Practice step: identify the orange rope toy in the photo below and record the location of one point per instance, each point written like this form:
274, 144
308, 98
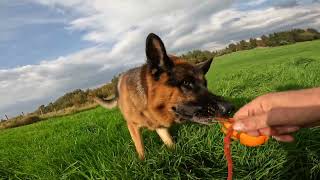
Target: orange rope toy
244, 139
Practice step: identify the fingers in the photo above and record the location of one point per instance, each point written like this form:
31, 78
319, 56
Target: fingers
254, 133
274, 117
274, 131
263, 131
278, 122
280, 130
284, 130
242, 112
276, 135
257, 106
251, 123
284, 138
268, 131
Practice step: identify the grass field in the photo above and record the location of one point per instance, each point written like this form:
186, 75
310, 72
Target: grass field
96, 143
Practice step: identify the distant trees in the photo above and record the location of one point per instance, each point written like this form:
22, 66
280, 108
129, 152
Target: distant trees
290, 37
74, 98
232, 47
271, 40
306, 35
78, 97
196, 56
252, 43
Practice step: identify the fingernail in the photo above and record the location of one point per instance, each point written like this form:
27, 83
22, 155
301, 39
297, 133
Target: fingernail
238, 126
282, 139
276, 138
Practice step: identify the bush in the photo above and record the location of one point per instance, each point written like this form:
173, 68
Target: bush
19, 122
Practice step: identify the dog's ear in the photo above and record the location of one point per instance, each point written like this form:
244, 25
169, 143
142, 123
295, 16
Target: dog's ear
157, 57
205, 66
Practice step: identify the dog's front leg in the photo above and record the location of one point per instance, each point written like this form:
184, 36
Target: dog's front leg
136, 137
165, 136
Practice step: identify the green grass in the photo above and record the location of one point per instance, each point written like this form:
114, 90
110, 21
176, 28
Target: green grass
96, 143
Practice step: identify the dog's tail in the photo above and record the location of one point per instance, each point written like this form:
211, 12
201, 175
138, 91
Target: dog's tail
110, 102
106, 103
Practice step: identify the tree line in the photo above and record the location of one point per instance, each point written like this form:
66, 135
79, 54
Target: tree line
271, 40
78, 98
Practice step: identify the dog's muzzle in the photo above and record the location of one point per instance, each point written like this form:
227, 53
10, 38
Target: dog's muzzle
202, 114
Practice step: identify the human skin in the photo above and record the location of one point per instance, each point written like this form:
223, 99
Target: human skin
280, 114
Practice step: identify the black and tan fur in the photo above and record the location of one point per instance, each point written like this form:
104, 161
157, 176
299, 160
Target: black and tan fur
164, 91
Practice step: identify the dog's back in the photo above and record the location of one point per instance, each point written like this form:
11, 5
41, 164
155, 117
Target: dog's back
136, 84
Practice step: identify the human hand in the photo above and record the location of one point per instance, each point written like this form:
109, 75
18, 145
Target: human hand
278, 114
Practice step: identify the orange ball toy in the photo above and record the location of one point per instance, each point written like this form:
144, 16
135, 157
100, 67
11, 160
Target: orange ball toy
244, 138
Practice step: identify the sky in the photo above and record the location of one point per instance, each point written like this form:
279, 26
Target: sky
50, 47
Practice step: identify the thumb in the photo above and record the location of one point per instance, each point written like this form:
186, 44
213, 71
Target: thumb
243, 111
251, 123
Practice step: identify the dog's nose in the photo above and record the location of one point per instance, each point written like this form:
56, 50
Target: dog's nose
226, 108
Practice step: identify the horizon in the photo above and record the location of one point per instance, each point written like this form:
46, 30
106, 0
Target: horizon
53, 47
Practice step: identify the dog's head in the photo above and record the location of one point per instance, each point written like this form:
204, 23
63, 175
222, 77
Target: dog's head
180, 88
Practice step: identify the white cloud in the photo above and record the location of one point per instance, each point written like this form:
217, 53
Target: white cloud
50, 79
124, 25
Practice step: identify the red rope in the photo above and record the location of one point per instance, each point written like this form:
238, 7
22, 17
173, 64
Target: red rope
227, 152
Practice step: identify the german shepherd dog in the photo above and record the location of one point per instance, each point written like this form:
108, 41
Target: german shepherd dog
164, 91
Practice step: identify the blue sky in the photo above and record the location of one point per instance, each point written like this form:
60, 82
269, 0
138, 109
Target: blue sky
31, 32
50, 47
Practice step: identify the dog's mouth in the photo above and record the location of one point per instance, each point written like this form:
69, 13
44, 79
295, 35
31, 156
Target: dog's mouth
196, 114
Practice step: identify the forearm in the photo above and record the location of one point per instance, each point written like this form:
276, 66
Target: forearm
295, 116
297, 98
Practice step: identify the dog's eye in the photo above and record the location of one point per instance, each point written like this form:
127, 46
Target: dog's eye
187, 84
